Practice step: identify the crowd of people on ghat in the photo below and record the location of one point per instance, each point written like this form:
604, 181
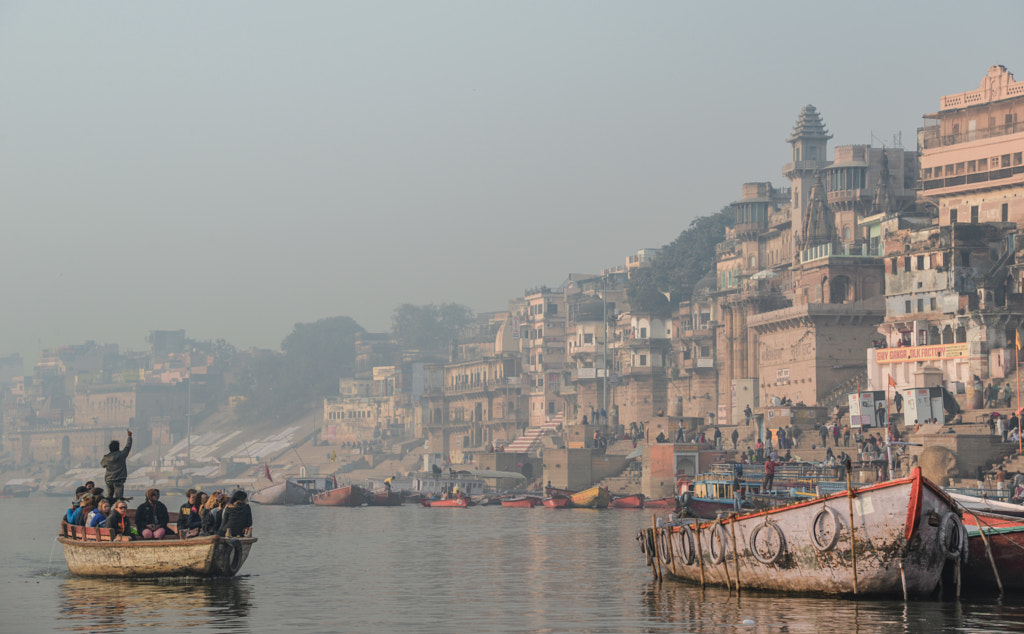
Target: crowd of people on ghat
201, 514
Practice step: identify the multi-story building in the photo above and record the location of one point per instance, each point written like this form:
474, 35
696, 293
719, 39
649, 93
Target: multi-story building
972, 153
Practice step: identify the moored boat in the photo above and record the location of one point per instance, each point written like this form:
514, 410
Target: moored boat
1005, 535
93, 553
987, 505
661, 503
285, 492
384, 497
592, 498
904, 533
635, 501
556, 502
522, 502
349, 495
454, 503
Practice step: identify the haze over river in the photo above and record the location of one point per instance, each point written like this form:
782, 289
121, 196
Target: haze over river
412, 569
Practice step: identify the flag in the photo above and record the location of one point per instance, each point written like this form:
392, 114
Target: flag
1019, 344
891, 382
266, 471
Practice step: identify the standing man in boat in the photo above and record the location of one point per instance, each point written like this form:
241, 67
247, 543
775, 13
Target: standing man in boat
117, 469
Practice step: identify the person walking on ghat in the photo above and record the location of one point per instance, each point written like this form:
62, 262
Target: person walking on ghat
117, 469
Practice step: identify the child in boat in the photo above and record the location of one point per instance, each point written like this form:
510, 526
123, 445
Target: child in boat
118, 522
151, 517
99, 516
189, 520
236, 520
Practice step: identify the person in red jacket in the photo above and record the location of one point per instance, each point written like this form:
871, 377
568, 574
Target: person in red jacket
769, 474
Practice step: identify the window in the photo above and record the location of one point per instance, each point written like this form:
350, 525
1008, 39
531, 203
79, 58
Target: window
974, 214
705, 351
551, 407
907, 307
920, 305
906, 264
588, 338
920, 263
1004, 213
643, 333
552, 309
643, 360
952, 216
934, 304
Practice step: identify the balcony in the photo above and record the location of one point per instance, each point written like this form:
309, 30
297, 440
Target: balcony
931, 137
973, 179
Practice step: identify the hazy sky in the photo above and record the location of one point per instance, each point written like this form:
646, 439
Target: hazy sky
233, 168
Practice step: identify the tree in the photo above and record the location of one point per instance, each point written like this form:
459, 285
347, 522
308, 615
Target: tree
681, 263
430, 327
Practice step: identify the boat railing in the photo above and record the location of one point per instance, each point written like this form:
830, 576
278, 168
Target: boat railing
87, 533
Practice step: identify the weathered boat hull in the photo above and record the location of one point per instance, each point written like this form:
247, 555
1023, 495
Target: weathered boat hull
200, 557
592, 498
525, 502
282, 493
454, 503
904, 529
383, 498
1006, 540
628, 502
661, 503
350, 495
558, 502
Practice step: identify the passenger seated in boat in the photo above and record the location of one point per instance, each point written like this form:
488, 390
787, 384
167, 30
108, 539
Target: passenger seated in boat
79, 492
237, 517
99, 516
151, 517
118, 522
210, 513
85, 506
189, 519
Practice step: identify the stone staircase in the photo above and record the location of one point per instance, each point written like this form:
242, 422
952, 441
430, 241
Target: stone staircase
532, 439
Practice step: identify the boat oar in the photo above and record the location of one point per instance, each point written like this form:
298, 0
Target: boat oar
988, 551
654, 534
853, 550
700, 553
735, 555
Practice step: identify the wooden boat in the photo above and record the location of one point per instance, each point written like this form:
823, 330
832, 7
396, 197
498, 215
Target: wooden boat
592, 498
555, 492
16, 491
1005, 536
285, 492
905, 532
522, 502
350, 495
556, 502
635, 501
987, 505
454, 503
383, 497
661, 503
91, 552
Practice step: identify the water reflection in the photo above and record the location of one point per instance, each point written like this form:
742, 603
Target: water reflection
103, 605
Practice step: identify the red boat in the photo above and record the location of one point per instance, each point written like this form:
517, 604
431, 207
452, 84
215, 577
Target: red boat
662, 503
628, 502
454, 503
556, 502
524, 502
1006, 539
383, 497
350, 495
552, 492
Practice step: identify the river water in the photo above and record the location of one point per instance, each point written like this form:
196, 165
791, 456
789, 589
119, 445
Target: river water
412, 569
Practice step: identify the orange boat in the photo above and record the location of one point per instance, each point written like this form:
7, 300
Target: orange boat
454, 503
350, 495
661, 503
524, 502
628, 502
556, 502
383, 497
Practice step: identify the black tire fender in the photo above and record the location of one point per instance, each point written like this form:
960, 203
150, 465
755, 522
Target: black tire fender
774, 557
830, 543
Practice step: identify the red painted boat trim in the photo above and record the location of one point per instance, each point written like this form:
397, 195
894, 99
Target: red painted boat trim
914, 508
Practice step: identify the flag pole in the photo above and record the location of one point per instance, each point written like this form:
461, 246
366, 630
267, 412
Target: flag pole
1016, 367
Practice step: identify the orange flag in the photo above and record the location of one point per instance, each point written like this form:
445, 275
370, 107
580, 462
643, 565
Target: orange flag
891, 382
